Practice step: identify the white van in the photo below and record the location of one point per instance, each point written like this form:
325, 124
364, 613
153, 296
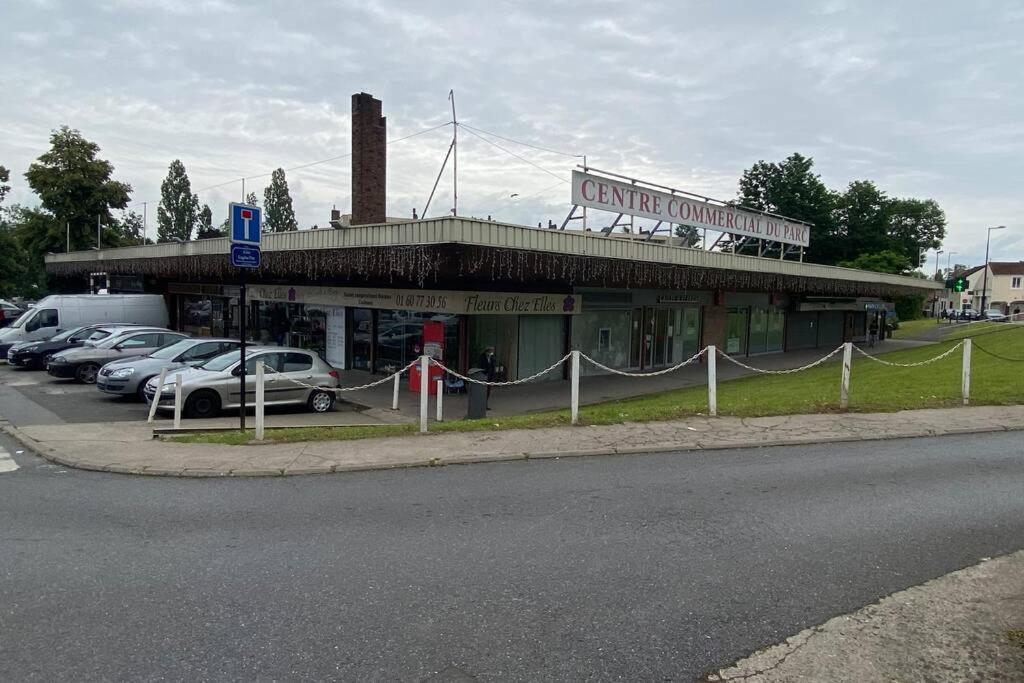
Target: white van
64, 311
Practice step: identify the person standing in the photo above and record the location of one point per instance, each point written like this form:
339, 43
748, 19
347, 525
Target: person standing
873, 330
489, 364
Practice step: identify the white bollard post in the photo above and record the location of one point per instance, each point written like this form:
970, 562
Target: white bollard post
424, 392
574, 369
177, 401
156, 396
712, 380
966, 384
260, 399
440, 399
394, 396
844, 383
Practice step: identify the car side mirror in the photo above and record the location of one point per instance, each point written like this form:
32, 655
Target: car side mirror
237, 372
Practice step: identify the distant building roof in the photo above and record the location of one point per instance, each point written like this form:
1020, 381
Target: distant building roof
1007, 267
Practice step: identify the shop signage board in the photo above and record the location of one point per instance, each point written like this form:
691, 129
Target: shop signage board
245, 256
430, 301
616, 196
335, 337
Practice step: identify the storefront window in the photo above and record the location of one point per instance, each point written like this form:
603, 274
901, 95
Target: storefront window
362, 338
203, 316
400, 338
285, 324
604, 336
736, 331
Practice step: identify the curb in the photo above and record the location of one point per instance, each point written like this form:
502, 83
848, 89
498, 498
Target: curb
199, 472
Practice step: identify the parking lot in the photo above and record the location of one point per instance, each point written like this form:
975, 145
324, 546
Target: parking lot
32, 397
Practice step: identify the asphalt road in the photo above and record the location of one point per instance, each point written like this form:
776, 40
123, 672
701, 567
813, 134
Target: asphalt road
659, 567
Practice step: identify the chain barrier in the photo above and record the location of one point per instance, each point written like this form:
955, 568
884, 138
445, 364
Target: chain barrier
502, 384
790, 371
977, 347
339, 390
908, 365
689, 360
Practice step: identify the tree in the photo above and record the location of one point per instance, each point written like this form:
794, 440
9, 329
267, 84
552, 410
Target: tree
206, 229
179, 208
689, 235
792, 189
131, 229
74, 187
251, 199
863, 212
887, 261
278, 215
5, 176
916, 224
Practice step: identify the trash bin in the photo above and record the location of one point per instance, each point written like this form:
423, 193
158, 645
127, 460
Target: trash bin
476, 395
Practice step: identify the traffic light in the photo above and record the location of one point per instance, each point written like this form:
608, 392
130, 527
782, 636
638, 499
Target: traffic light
960, 284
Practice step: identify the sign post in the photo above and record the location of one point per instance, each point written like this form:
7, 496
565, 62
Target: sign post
245, 254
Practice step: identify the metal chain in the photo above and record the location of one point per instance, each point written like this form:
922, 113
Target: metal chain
908, 365
978, 347
689, 360
501, 384
729, 358
343, 389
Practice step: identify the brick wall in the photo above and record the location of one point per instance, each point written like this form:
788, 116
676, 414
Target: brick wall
369, 160
713, 331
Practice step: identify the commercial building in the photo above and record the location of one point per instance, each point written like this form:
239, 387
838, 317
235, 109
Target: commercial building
372, 297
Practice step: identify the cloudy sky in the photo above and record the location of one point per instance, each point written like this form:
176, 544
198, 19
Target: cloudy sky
925, 98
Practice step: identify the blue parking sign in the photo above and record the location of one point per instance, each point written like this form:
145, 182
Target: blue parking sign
246, 223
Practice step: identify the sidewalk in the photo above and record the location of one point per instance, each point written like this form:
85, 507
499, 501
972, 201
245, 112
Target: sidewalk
965, 626
129, 448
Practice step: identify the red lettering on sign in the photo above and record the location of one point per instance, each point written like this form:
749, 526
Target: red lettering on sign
730, 219
644, 199
616, 196
583, 190
656, 205
602, 193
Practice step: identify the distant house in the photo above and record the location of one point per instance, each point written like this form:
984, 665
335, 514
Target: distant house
1003, 287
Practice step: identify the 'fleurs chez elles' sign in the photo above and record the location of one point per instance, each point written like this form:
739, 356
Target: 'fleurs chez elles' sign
598, 192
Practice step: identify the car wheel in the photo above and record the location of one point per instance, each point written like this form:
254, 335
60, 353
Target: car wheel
321, 401
140, 391
86, 373
202, 404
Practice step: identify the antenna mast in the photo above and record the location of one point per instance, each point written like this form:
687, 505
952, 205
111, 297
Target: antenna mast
455, 154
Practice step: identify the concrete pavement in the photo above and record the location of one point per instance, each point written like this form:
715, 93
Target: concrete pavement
967, 625
129, 448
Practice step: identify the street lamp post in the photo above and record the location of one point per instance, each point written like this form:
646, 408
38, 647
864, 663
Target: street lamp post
984, 277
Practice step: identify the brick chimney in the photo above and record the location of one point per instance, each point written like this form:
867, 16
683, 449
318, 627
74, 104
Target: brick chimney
369, 160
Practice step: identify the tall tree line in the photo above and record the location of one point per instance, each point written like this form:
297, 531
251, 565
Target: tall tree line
860, 227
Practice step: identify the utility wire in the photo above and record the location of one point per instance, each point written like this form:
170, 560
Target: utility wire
302, 166
511, 153
520, 142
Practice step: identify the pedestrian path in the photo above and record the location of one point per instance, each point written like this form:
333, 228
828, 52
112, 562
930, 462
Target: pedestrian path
129, 448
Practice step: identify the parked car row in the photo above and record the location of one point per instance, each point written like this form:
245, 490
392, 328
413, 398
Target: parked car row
127, 360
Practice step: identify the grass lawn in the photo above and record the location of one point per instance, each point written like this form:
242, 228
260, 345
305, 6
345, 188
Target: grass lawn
873, 388
911, 328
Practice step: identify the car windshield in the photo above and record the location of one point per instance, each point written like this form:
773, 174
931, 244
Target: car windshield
110, 342
223, 362
64, 336
20, 322
172, 350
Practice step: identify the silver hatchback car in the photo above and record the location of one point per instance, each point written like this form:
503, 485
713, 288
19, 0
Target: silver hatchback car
292, 377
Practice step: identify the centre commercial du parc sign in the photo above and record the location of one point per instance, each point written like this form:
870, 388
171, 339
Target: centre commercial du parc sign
431, 301
598, 192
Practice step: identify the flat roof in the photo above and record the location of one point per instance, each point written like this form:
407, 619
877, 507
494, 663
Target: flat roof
483, 233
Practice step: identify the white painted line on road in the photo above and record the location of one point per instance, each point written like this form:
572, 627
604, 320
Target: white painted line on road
7, 463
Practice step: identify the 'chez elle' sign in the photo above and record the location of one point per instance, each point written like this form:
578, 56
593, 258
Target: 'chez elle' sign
432, 301
598, 192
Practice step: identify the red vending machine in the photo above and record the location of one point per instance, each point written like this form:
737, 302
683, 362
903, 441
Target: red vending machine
433, 346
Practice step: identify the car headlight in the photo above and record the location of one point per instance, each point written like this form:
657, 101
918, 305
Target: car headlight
122, 373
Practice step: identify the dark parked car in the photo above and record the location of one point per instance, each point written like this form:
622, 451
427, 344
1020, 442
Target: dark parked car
84, 363
35, 354
9, 313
